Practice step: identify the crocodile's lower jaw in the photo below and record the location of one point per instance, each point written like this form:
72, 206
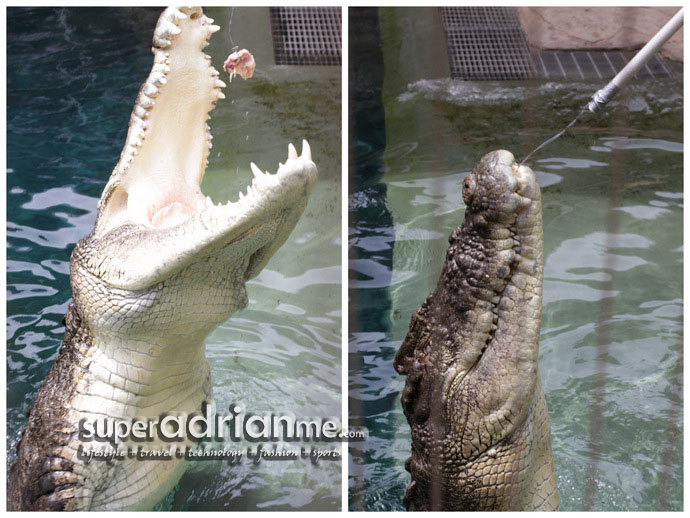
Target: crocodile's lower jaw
182, 388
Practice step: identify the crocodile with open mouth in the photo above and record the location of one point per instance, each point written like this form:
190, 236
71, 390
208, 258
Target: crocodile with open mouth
472, 396
161, 269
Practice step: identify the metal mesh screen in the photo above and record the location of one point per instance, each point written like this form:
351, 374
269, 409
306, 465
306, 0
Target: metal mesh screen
306, 35
602, 64
486, 43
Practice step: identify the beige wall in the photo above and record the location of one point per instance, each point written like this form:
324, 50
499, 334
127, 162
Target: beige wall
598, 28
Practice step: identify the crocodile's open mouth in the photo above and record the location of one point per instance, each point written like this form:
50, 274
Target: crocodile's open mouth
171, 203
155, 191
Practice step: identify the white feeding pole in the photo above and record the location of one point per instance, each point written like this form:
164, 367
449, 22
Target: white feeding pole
603, 96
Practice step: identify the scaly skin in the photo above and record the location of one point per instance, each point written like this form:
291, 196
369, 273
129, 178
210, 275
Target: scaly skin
162, 267
472, 397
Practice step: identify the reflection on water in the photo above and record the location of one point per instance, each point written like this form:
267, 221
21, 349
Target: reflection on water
611, 339
73, 75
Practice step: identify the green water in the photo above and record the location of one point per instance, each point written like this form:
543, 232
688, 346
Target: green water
73, 75
612, 189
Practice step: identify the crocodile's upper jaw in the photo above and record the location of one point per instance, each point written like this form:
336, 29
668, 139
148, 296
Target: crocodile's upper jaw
156, 182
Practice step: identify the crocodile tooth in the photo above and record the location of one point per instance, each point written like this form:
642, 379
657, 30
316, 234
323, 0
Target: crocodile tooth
212, 28
220, 83
146, 102
292, 152
151, 91
167, 30
256, 171
178, 15
158, 78
241, 195
306, 150
221, 95
137, 125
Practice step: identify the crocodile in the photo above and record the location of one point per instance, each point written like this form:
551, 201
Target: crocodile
472, 396
162, 267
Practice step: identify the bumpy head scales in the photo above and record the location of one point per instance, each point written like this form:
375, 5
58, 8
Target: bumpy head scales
498, 187
470, 355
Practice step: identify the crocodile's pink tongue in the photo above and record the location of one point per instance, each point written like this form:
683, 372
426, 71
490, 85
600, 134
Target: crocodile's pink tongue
171, 215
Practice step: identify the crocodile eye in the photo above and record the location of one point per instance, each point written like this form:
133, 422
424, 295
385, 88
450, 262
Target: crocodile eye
468, 187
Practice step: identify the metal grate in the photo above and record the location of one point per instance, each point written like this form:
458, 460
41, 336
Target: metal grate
570, 65
486, 43
306, 35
